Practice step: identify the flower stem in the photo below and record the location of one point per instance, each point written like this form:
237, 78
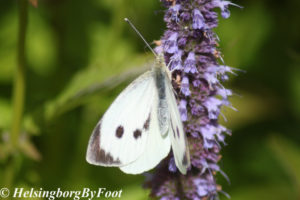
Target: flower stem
19, 82
18, 92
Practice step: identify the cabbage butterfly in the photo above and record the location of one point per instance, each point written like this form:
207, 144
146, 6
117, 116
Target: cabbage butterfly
141, 125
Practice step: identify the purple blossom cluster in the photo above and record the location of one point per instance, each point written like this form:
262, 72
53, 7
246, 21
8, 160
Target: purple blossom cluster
191, 47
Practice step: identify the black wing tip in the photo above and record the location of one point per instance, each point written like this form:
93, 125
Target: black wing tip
97, 156
94, 146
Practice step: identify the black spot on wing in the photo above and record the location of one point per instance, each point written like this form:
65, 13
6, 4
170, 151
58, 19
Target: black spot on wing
177, 130
172, 128
96, 154
119, 131
147, 123
137, 133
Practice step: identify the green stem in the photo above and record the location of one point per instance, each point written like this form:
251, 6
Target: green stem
18, 91
19, 84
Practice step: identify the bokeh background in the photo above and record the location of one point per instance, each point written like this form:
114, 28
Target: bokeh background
80, 54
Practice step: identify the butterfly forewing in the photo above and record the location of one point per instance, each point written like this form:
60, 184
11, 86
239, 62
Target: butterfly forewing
121, 135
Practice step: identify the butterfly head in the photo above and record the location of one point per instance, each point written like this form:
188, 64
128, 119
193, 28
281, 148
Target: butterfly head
160, 60
161, 65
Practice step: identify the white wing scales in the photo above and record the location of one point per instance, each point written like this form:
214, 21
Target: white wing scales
176, 132
121, 135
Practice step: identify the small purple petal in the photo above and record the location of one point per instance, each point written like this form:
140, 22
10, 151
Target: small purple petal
223, 5
213, 107
224, 93
182, 110
185, 16
196, 83
211, 78
223, 69
195, 134
198, 20
185, 89
172, 166
205, 186
170, 45
197, 110
158, 49
182, 41
204, 59
208, 132
176, 62
174, 12
190, 64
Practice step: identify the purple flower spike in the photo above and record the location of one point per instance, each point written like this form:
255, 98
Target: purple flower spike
170, 45
198, 20
190, 64
191, 47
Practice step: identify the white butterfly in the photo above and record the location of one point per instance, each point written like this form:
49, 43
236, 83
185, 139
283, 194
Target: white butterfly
141, 125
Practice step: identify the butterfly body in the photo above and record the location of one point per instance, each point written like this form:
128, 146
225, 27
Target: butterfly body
141, 125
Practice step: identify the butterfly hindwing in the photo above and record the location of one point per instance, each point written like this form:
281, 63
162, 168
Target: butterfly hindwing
120, 137
176, 132
157, 148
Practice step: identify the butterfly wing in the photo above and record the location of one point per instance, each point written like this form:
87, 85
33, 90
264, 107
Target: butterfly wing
157, 148
121, 135
176, 131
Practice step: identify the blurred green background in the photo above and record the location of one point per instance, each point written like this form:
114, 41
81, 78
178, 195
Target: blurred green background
81, 54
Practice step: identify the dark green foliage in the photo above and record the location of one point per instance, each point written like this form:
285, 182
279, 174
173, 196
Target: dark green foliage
81, 54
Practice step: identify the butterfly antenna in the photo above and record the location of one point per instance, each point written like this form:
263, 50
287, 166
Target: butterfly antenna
129, 22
